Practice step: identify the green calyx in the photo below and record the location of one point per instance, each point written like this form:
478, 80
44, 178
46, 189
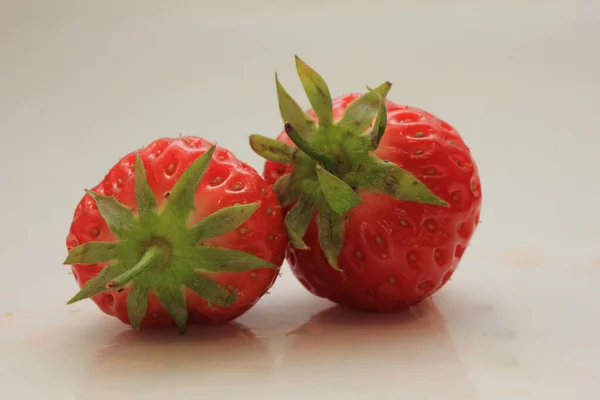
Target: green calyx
333, 161
159, 251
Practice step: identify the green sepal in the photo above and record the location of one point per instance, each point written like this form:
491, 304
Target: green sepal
98, 283
317, 92
181, 200
331, 232
223, 221
311, 151
338, 194
118, 217
292, 113
400, 184
380, 123
285, 190
360, 113
297, 221
210, 290
144, 197
92, 253
173, 300
228, 260
137, 304
273, 150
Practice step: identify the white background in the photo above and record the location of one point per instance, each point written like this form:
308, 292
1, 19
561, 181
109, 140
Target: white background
83, 83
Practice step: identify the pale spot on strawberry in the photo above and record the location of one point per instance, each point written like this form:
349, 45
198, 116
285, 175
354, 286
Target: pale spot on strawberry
418, 152
412, 258
381, 249
269, 211
392, 281
263, 191
359, 255
405, 116
224, 155
243, 230
441, 257
455, 197
404, 223
170, 169
430, 225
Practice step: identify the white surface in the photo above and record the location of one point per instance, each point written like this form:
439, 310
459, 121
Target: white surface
82, 83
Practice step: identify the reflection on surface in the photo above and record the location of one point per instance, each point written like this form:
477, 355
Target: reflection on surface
206, 348
207, 356
360, 352
352, 354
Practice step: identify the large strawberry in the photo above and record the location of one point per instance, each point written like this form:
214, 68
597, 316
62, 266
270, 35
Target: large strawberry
179, 230
381, 199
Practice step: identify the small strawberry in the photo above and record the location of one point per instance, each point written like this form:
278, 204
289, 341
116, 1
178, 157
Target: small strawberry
381, 199
179, 230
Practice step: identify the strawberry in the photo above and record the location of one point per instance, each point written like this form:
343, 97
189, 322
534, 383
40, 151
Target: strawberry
380, 199
179, 230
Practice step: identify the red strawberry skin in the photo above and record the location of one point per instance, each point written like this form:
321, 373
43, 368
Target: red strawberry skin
227, 181
396, 253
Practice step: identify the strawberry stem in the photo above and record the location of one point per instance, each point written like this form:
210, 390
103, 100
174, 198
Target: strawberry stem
151, 255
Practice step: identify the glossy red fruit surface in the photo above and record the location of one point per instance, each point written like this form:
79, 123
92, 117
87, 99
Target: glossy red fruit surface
225, 286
